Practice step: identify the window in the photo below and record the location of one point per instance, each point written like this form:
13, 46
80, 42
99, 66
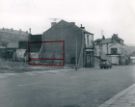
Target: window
114, 51
88, 41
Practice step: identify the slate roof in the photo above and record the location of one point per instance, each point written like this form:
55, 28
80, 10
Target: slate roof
108, 40
69, 23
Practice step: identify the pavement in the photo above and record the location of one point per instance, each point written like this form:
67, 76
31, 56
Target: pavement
125, 98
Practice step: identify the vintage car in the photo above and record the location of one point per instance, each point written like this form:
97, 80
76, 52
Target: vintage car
105, 64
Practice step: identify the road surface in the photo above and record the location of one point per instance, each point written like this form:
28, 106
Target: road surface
64, 88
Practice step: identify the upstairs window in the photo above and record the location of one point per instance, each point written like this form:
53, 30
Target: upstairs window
88, 41
114, 51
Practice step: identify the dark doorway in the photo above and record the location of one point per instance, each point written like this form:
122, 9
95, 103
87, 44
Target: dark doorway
88, 58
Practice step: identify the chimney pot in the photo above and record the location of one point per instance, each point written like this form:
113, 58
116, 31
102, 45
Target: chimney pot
82, 27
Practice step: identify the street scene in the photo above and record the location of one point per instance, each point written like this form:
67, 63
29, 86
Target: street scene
86, 87
67, 53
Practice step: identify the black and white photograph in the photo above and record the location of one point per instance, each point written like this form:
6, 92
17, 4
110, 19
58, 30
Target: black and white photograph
67, 53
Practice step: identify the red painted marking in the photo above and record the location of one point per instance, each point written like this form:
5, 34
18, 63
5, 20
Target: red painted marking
34, 64
35, 59
38, 59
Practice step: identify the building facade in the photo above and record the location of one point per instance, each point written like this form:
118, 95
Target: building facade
11, 35
9, 40
132, 58
112, 49
78, 48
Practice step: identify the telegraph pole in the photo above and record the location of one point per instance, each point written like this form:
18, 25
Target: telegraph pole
76, 67
28, 46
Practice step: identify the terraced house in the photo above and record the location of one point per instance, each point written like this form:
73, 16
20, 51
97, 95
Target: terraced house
67, 44
112, 49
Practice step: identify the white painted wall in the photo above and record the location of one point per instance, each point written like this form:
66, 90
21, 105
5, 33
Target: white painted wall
115, 59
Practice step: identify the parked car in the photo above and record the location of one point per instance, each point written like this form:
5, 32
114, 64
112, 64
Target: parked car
105, 64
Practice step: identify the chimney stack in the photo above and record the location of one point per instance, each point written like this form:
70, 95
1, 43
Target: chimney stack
82, 27
53, 23
29, 30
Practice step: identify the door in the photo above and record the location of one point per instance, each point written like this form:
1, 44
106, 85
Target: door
89, 59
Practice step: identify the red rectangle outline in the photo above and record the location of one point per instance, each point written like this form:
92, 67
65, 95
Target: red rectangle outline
36, 59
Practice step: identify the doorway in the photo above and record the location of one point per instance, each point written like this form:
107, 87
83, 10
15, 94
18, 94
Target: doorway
88, 59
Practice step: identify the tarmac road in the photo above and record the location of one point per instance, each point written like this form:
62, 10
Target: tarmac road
64, 88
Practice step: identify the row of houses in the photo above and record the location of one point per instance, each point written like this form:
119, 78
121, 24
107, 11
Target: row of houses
79, 46
112, 49
9, 41
64, 43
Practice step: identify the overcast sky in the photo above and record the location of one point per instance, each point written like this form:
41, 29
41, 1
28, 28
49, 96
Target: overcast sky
109, 16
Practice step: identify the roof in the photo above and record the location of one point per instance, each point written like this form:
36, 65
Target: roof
36, 37
108, 40
113, 39
69, 23
103, 41
20, 32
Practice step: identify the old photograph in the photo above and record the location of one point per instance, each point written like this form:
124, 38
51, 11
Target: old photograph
67, 53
